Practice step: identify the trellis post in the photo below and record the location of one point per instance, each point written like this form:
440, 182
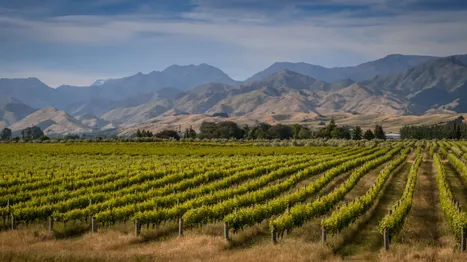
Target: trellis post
274, 234
93, 225
180, 227
226, 231
51, 223
386, 238
323, 235
463, 239
137, 227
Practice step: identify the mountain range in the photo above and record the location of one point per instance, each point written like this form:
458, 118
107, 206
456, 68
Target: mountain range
396, 85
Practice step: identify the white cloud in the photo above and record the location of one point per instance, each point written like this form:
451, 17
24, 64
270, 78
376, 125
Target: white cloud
261, 38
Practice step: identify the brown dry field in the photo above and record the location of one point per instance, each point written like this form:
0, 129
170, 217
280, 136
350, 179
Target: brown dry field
390, 123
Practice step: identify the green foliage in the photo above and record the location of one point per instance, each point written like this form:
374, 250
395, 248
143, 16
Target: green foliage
457, 219
357, 133
394, 221
189, 133
347, 214
368, 135
6, 134
217, 212
168, 134
249, 216
304, 133
143, 133
226, 130
34, 132
455, 129
379, 133
459, 165
341, 133
44, 138
302, 213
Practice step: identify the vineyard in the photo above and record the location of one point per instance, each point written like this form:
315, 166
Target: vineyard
357, 200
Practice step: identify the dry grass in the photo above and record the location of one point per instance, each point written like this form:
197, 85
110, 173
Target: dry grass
24, 245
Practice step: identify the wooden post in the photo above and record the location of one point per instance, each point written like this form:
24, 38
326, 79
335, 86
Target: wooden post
8, 206
51, 223
226, 231
323, 235
288, 208
93, 225
180, 227
137, 227
13, 223
463, 239
386, 238
274, 234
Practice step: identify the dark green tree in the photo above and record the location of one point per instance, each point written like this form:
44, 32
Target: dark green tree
259, 132
280, 132
304, 133
296, 128
189, 133
167, 134
138, 133
368, 135
226, 130
379, 132
357, 133
44, 138
32, 132
341, 133
6, 134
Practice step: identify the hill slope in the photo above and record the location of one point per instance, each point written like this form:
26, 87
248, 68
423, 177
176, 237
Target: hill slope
12, 110
51, 121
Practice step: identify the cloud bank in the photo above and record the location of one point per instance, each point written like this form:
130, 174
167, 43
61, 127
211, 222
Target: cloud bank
71, 42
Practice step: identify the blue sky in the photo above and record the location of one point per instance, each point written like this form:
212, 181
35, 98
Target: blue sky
76, 42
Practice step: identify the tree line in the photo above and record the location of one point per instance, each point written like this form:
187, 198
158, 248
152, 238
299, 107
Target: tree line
455, 129
229, 130
29, 133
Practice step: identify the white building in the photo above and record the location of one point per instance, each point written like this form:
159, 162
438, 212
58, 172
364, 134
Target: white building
393, 136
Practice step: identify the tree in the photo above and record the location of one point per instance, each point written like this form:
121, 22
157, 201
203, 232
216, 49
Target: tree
296, 128
167, 134
340, 133
304, 133
379, 133
229, 129
44, 138
138, 133
189, 133
357, 133
144, 133
32, 133
368, 135
331, 126
259, 132
6, 134
226, 130
280, 132
208, 130
335, 133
